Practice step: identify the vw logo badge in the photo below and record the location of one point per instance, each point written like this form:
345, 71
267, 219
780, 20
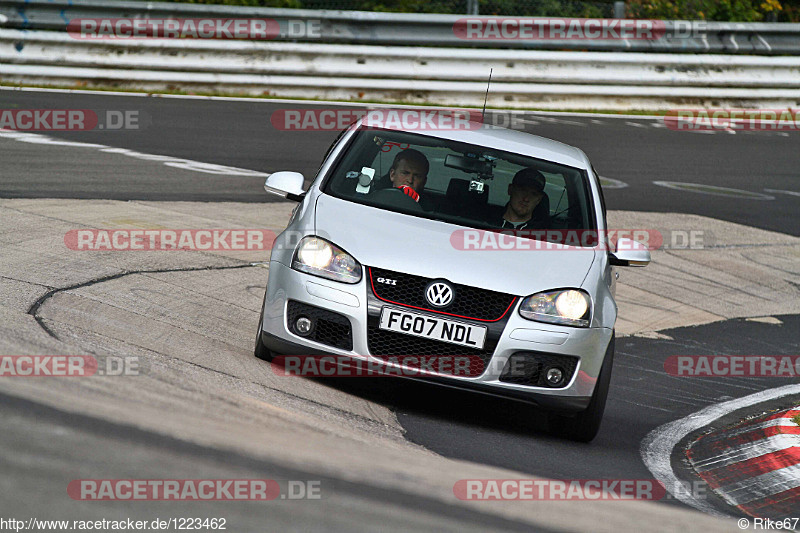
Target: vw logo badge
439, 294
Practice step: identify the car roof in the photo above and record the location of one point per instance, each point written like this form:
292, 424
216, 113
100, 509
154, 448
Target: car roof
508, 140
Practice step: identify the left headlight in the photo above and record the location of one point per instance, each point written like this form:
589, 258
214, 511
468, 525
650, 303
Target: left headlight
569, 307
320, 258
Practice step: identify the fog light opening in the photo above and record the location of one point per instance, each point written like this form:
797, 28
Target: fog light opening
303, 326
554, 376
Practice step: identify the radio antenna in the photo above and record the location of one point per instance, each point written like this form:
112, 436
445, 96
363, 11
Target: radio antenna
483, 113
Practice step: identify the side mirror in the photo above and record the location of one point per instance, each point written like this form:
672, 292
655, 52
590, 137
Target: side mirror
630, 253
285, 184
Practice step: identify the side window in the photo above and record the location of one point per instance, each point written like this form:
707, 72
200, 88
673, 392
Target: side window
439, 176
383, 159
498, 188
556, 190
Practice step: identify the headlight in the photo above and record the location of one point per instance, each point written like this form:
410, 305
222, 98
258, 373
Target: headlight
320, 258
569, 307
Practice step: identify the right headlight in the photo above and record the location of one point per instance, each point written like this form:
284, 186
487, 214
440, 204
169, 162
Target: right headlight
568, 307
320, 258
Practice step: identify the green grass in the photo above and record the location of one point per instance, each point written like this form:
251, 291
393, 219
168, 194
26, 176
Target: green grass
101, 88
796, 420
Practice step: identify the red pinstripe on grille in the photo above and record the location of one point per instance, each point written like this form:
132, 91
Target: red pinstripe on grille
375, 292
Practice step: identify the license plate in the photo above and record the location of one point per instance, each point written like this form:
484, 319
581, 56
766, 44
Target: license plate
434, 328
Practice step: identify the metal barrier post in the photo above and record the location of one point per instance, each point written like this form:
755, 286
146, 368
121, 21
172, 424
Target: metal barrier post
619, 9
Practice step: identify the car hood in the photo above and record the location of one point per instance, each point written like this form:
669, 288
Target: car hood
430, 248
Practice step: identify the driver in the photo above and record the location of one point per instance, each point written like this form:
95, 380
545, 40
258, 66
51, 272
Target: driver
409, 172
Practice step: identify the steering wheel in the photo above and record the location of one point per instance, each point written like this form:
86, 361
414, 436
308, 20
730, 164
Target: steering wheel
394, 197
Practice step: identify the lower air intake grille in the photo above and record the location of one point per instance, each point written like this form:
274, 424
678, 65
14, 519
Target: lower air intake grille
329, 328
528, 368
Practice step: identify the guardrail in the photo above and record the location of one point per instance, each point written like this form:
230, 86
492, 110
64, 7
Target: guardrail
447, 76
437, 69
356, 27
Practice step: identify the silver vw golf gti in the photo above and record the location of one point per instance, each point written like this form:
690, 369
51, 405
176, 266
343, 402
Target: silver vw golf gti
483, 246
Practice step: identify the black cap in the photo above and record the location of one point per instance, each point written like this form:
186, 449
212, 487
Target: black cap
529, 177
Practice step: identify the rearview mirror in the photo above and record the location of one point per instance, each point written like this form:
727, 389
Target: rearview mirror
286, 184
630, 253
468, 164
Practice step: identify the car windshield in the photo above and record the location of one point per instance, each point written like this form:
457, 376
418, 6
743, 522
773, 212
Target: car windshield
463, 184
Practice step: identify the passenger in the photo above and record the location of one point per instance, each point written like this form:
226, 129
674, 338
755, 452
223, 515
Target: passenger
409, 172
528, 206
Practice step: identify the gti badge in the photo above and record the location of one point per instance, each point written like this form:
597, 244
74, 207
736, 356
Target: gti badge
439, 294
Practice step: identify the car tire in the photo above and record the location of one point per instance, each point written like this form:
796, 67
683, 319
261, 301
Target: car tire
261, 351
584, 426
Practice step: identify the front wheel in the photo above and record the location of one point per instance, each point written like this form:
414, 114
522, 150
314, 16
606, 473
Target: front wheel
584, 426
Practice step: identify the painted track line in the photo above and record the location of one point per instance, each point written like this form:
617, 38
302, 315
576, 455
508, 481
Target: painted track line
175, 162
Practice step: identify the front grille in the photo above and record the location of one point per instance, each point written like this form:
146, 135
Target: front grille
385, 344
527, 368
469, 302
329, 328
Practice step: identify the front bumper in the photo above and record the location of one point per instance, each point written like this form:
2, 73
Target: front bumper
356, 303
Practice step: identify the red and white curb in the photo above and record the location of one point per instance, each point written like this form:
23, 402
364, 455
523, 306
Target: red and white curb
755, 465
658, 446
